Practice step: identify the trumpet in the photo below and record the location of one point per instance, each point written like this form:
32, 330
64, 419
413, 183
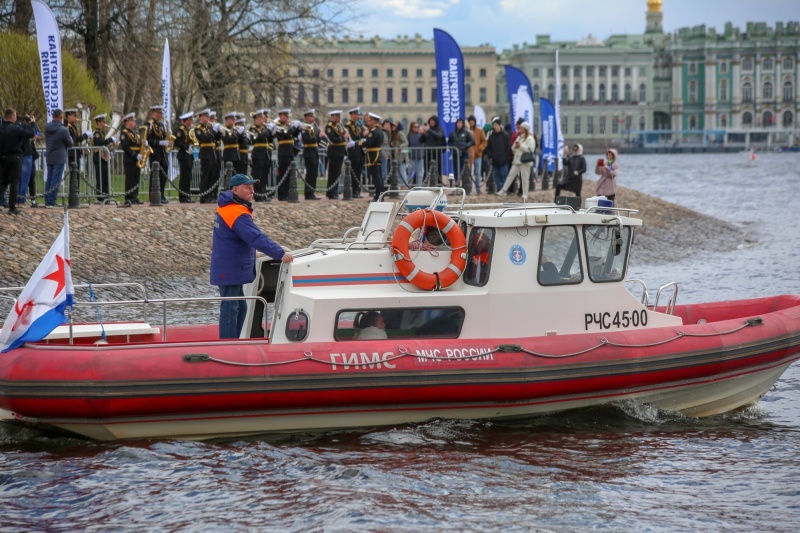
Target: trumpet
144, 149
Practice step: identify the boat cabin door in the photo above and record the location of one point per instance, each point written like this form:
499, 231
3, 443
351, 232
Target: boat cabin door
266, 286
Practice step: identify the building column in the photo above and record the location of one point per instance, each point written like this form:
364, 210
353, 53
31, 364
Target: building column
710, 96
677, 96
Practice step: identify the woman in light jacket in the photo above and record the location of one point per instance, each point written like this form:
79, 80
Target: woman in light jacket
523, 143
607, 184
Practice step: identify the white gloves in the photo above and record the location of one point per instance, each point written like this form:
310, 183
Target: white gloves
139, 157
114, 140
350, 144
575, 173
271, 126
163, 143
296, 123
87, 135
240, 129
216, 126
147, 143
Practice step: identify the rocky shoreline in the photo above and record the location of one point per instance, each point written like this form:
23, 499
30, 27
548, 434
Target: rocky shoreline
145, 243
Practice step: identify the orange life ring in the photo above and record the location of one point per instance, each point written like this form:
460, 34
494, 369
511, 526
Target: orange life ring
458, 243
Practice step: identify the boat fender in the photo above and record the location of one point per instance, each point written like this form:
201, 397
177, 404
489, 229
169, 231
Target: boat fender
426, 218
758, 321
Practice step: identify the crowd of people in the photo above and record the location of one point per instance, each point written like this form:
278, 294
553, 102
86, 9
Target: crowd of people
370, 143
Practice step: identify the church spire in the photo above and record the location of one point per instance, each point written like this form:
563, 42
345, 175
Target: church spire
654, 17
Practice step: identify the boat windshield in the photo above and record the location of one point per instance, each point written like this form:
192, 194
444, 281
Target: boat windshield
393, 323
607, 252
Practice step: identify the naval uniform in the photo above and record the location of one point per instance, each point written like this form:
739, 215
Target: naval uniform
185, 148
130, 142
207, 139
262, 160
156, 132
356, 155
285, 133
337, 148
372, 143
100, 162
311, 138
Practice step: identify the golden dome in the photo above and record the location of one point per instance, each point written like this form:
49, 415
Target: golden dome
654, 6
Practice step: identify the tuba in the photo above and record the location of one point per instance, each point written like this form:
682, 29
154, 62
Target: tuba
85, 111
113, 130
144, 149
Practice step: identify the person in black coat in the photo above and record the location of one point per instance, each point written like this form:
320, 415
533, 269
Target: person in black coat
498, 148
461, 140
574, 169
433, 140
12, 140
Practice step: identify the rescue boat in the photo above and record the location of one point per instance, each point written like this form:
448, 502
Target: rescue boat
425, 310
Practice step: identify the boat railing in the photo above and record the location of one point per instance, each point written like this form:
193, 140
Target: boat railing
672, 299
640, 283
441, 191
164, 302
533, 207
623, 211
91, 286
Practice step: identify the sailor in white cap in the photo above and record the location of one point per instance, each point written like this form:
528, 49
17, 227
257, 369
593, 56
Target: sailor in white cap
185, 153
310, 137
71, 122
337, 147
261, 155
355, 153
244, 145
158, 139
207, 134
372, 144
131, 144
100, 157
286, 133
230, 141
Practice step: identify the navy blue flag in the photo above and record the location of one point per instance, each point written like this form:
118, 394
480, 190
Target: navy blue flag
520, 95
549, 133
449, 88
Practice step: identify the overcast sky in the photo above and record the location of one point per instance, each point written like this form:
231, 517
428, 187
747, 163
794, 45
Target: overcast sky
503, 23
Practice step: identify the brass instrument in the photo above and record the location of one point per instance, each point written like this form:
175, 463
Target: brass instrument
85, 111
171, 145
193, 136
144, 149
113, 130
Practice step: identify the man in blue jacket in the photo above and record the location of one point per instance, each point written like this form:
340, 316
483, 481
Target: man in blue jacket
233, 260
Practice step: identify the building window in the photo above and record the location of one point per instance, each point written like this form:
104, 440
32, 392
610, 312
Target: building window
419, 72
628, 122
315, 73
563, 96
723, 121
693, 92
345, 95
576, 71
747, 92
788, 119
374, 95
642, 72
614, 92
589, 72
628, 96
601, 71
482, 95
768, 119
577, 92
747, 64
390, 73
602, 92
404, 95
641, 122
788, 63
467, 72
564, 72
419, 95
536, 72
603, 130
768, 92
389, 95
359, 73
767, 64
723, 67
374, 73
692, 68
360, 95
589, 92
551, 92
345, 72
330, 95
535, 92
550, 73
433, 95
747, 119
723, 91
788, 91
614, 71
433, 73
482, 73
615, 125
315, 95
565, 124
642, 93
330, 72
590, 125
577, 125
627, 72
692, 122
404, 73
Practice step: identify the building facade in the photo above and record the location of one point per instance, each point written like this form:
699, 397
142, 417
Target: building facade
392, 78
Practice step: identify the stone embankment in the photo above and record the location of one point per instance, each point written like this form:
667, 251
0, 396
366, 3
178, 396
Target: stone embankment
145, 243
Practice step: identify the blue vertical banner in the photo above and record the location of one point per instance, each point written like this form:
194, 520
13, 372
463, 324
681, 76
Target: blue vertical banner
549, 133
520, 95
449, 87
49, 41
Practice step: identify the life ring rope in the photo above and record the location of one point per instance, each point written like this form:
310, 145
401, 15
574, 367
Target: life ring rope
430, 281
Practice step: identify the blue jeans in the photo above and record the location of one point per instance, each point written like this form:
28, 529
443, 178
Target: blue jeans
500, 174
55, 173
417, 171
231, 312
477, 166
25, 177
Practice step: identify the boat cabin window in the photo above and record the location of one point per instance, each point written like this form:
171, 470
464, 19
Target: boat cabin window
411, 323
559, 262
607, 252
479, 253
297, 326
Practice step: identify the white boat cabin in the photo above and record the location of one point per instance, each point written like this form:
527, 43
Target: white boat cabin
528, 270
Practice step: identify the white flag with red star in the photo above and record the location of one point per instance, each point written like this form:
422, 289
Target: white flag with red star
41, 307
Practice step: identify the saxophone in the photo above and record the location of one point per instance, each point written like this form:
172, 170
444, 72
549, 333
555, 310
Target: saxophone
144, 149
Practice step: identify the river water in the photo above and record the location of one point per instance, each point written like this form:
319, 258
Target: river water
624, 467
